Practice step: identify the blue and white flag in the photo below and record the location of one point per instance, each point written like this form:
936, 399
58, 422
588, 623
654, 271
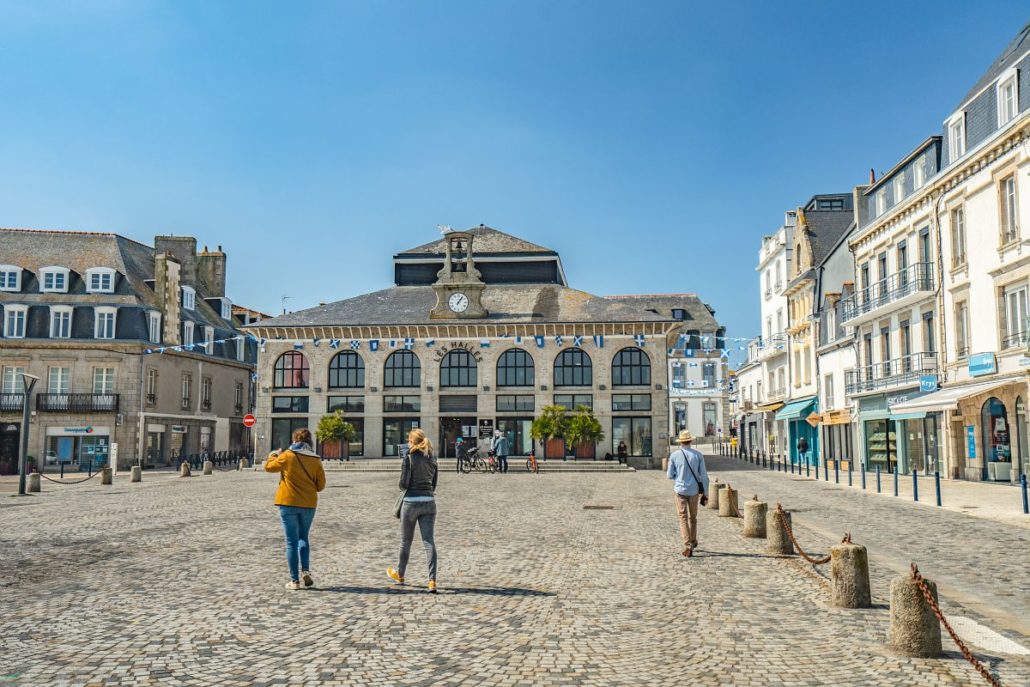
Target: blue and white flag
518, 340
316, 342
599, 340
355, 344
688, 352
373, 344
297, 345
334, 343
692, 364
539, 341
690, 382
577, 340
393, 343
639, 338
430, 343
484, 343
558, 340
706, 342
253, 376
409, 343
671, 351
262, 341
725, 354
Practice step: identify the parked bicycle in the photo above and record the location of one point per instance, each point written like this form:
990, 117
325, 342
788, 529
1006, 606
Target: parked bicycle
531, 464
474, 461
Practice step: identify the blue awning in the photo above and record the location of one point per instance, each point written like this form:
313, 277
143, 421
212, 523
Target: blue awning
796, 409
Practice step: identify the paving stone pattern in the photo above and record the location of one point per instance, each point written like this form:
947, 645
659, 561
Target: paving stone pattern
180, 582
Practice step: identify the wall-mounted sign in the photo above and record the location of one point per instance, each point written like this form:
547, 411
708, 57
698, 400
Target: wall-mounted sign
178, 429
982, 364
486, 429
971, 441
928, 383
78, 430
813, 419
461, 346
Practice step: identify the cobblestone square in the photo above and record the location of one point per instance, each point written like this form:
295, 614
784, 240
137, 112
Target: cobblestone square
179, 581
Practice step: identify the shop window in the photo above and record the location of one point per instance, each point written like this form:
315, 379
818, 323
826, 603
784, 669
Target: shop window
573, 401
402, 369
346, 404
291, 371
283, 429
289, 404
624, 402
458, 369
631, 367
395, 433
635, 431
709, 415
573, 367
996, 440
517, 431
515, 368
402, 404
347, 371
510, 403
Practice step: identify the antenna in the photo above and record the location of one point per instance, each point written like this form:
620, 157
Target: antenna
283, 300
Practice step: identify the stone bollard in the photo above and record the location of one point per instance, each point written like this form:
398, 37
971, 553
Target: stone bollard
776, 537
209, 467
137, 474
107, 476
35, 483
754, 519
849, 576
729, 503
184, 470
244, 464
713, 497
915, 630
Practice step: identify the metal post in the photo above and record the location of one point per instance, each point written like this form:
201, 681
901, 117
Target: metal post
62, 469
826, 470
1026, 504
895, 481
808, 469
937, 485
915, 485
863, 476
836, 471
28, 382
877, 479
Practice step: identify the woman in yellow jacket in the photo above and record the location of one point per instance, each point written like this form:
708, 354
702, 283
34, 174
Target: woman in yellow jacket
301, 478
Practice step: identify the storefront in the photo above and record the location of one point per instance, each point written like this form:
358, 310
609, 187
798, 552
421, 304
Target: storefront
84, 448
802, 436
769, 432
836, 439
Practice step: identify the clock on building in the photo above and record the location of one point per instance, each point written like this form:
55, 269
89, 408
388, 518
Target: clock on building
458, 302
459, 285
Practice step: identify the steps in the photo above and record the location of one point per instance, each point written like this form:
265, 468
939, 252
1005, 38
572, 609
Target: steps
515, 465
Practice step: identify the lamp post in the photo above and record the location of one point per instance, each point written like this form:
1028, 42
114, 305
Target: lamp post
28, 382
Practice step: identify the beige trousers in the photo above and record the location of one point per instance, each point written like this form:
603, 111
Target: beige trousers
686, 508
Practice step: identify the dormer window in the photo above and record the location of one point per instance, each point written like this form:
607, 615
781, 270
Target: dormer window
100, 280
106, 319
53, 280
209, 340
1008, 98
679, 314
226, 309
919, 172
187, 333
10, 278
154, 326
899, 188
189, 298
881, 201
15, 317
957, 137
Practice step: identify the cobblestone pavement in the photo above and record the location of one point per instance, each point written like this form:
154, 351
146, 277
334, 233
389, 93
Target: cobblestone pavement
179, 582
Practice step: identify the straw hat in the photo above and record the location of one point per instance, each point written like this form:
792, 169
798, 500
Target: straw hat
685, 437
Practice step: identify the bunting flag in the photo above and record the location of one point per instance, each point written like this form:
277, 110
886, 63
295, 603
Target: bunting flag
430, 343
558, 340
577, 340
393, 343
725, 354
409, 343
639, 338
484, 343
316, 342
690, 382
692, 364
539, 341
355, 344
334, 343
599, 340
373, 344
671, 351
297, 345
518, 340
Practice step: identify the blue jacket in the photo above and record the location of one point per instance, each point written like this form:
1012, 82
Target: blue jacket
685, 484
501, 446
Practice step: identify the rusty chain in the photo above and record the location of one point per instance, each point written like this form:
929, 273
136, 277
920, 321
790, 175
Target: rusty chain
980, 668
78, 481
733, 503
790, 533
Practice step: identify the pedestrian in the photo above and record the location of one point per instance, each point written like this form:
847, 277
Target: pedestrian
460, 452
418, 480
687, 468
802, 450
501, 450
623, 453
301, 477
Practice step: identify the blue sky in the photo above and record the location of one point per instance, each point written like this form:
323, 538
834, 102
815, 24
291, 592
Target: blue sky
651, 143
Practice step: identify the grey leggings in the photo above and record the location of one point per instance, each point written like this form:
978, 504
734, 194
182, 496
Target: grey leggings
424, 513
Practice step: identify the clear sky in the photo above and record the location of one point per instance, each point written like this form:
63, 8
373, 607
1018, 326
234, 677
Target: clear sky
651, 143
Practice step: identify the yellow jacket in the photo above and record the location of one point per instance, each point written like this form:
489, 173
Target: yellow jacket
297, 487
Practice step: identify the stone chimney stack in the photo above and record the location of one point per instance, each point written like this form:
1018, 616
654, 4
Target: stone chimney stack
183, 249
211, 272
167, 282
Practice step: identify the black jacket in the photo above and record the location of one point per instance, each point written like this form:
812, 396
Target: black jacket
418, 474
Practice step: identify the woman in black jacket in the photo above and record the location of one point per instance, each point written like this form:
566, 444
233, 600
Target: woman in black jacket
418, 480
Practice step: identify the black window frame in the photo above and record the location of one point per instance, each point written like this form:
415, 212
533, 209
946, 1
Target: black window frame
295, 403
513, 365
576, 401
632, 363
404, 365
630, 403
458, 370
345, 404
351, 367
569, 374
519, 403
281, 369
404, 405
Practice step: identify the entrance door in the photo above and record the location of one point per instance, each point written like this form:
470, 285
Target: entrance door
155, 449
453, 427
9, 440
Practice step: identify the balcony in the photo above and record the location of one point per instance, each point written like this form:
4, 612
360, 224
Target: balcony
771, 346
11, 403
906, 287
890, 373
1014, 340
768, 294
77, 403
205, 404
778, 394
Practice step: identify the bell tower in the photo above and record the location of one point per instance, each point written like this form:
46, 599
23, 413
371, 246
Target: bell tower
459, 285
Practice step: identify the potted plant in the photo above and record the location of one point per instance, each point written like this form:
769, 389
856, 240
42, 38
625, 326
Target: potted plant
550, 428
333, 429
584, 433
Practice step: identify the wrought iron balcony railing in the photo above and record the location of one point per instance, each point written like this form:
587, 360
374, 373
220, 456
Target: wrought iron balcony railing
77, 403
1014, 340
11, 403
890, 373
913, 279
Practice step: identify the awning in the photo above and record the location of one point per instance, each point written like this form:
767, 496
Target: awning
907, 416
768, 407
796, 410
947, 399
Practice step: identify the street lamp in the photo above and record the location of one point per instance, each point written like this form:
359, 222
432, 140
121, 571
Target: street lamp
28, 382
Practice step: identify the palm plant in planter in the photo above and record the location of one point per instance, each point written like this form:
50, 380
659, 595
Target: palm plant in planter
333, 428
584, 430
550, 428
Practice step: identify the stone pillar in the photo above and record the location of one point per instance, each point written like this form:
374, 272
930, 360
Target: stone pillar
137, 474
107, 476
713, 497
729, 503
35, 482
849, 576
184, 470
915, 630
209, 467
777, 539
754, 519
244, 464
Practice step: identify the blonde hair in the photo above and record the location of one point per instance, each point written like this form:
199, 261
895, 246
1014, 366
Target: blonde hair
418, 441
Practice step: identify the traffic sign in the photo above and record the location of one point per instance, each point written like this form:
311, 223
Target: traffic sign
249, 420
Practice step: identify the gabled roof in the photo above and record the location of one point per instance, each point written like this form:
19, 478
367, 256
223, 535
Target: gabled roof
700, 315
487, 241
1012, 52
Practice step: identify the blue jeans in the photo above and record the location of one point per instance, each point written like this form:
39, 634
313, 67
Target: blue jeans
296, 525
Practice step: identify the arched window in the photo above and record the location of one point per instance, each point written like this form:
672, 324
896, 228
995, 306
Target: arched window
347, 371
573, 367
631, 368
402, 370
291, 371
515, 368
458, 368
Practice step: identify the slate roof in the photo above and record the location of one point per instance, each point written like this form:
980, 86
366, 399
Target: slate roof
514, 303
699, 315
487, 240
1019, 45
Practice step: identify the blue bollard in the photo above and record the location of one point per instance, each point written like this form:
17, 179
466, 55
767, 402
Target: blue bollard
826, 470
836, 472
849, 473
792, 467
877, 479
937, 486
62, 469
915, 485
895, 481
1026, 504
863, 476
808, 469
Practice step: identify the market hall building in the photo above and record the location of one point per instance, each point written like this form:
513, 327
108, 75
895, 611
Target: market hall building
480, 332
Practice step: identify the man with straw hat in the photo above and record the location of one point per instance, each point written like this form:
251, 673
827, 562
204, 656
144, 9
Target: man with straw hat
687, 469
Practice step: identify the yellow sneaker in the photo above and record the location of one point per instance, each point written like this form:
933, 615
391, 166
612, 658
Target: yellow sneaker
394, 575
432, 586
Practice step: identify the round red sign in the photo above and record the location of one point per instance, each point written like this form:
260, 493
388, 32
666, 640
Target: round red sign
249, 420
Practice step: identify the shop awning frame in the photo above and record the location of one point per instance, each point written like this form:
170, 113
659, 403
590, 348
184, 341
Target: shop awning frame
796, 410
947, 399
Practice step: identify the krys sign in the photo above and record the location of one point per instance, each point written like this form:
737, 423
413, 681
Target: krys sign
460, 346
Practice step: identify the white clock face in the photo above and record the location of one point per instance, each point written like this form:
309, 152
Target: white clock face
458, 302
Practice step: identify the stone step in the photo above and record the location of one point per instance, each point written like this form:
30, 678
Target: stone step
448, 465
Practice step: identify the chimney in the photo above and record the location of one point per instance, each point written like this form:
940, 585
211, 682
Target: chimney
211, 272
872, 176
167, 273
184, 250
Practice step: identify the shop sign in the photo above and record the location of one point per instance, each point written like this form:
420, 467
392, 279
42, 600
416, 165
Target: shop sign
486, 429
78, 430
971, 440
461, 346
982, 364
928, 383
813, 419
178, 429
1024, 361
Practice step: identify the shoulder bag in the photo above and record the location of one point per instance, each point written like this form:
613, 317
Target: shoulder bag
400, 496
700, 485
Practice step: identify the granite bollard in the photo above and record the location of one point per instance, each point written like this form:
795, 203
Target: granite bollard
754, 519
